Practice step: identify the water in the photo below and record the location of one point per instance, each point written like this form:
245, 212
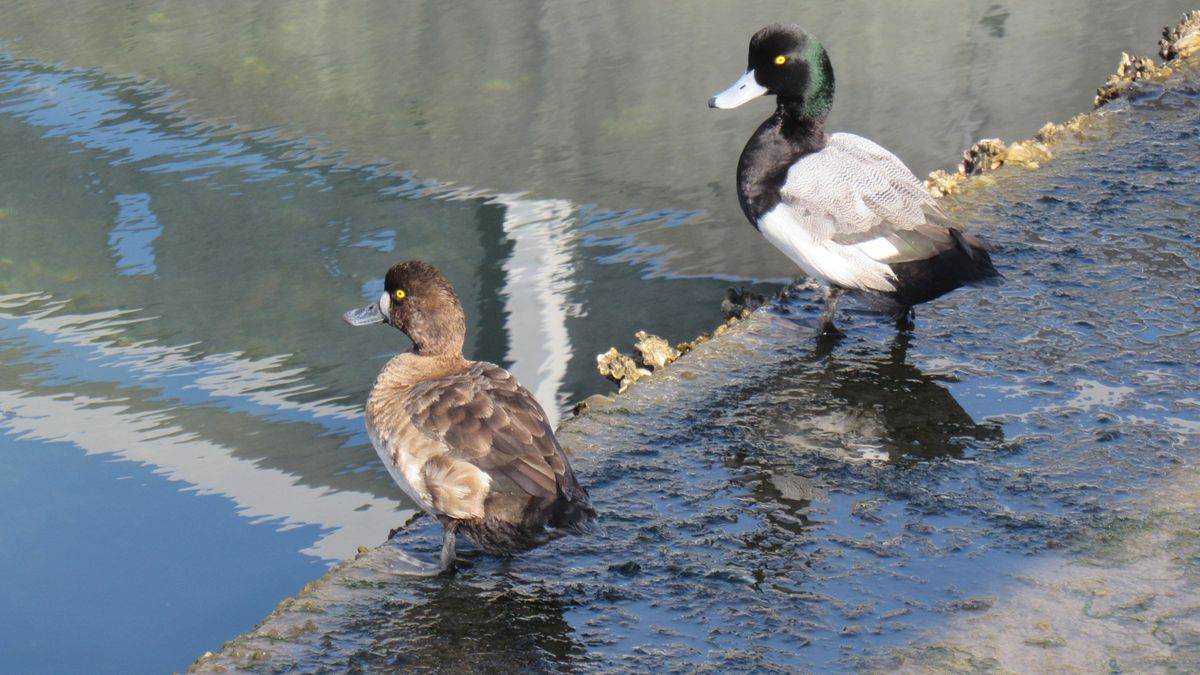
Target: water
189, 198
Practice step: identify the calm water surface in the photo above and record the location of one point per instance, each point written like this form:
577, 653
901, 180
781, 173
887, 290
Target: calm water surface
192, 193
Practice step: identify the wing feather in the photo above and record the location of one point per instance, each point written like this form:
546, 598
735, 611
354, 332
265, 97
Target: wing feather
485, 417
863, 197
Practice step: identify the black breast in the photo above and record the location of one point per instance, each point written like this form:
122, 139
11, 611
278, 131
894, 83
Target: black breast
768, 156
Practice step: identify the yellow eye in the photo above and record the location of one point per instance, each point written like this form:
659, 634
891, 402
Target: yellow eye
780, 60
399, 294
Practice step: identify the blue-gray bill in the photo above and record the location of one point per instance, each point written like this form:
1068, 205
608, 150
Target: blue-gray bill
745, 89
367, 316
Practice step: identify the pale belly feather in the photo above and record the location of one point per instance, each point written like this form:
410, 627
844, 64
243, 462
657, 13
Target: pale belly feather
404, 468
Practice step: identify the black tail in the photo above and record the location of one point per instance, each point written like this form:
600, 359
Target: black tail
573, 511
967, 262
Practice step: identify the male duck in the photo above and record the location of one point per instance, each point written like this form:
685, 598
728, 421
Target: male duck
845, 210
462, 438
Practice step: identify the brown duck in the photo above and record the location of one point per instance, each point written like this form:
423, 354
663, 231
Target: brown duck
463, 438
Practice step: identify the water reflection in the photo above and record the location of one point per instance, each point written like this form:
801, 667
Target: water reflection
134, 231
470, 625
820, 413
539, 282
187, 416
867, 401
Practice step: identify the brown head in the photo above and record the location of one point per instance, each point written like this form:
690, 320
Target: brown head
419, 300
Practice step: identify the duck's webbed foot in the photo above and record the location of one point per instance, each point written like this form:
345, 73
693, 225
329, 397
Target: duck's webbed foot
828, 328
832, 295
790, 291
448, 538
407, 565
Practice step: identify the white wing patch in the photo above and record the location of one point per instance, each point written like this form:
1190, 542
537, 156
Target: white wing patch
878, 248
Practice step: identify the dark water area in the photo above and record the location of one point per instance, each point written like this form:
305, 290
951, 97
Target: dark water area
191, 195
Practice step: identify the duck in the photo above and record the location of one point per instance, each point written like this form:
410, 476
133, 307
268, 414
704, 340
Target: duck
849, 213
463, 439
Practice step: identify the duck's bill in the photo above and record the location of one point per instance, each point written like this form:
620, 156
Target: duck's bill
745, 89
367, 316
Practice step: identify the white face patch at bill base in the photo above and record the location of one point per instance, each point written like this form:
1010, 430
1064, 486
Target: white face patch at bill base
745, 89
385, 305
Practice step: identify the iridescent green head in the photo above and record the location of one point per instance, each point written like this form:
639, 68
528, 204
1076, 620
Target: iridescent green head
787, 62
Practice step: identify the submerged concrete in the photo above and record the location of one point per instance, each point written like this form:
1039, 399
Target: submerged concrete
1128, 604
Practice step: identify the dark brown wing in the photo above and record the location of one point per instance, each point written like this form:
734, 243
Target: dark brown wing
484, 416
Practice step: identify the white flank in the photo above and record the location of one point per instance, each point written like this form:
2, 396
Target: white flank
822, 259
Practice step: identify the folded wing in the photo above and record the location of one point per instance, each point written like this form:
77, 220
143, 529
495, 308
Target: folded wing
484, 417
862, 197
